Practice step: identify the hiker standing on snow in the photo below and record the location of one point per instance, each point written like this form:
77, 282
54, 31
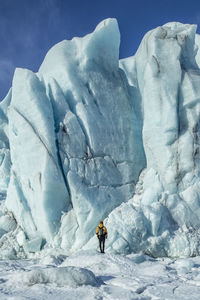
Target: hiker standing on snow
101, 233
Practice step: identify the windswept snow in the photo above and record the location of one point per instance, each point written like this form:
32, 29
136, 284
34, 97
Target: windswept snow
89, 275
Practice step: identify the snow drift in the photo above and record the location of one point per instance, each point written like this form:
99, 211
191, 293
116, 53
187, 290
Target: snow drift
62, 276
90, 137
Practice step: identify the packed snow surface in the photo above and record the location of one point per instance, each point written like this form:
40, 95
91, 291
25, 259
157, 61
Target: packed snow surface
90, 275
90, 137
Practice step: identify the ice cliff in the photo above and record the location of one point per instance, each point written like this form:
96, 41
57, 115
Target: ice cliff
90, 137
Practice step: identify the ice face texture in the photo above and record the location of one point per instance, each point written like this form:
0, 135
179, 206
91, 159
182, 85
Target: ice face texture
90, 138
168, 77
4, 146
37, 194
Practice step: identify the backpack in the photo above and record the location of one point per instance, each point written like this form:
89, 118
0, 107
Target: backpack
101, 233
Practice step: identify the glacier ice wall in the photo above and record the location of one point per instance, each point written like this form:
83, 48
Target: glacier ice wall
90, 137
99, 115
5, 162
167, 75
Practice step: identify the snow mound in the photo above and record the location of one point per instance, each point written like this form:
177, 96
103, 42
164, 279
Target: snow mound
63, 276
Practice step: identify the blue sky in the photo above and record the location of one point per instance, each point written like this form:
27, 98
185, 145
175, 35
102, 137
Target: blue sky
28, 28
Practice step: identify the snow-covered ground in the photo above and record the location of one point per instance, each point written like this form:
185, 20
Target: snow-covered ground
91, 275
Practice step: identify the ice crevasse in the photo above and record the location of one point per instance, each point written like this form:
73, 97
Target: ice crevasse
90, 137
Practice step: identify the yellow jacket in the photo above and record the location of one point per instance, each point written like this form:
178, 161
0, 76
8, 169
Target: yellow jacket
104, 230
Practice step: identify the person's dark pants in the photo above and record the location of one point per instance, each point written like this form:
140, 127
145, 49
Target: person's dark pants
102, 244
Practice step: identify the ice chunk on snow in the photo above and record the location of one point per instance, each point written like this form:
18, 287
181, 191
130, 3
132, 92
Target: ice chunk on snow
7, 223
33, 245
21, 237
61, 276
